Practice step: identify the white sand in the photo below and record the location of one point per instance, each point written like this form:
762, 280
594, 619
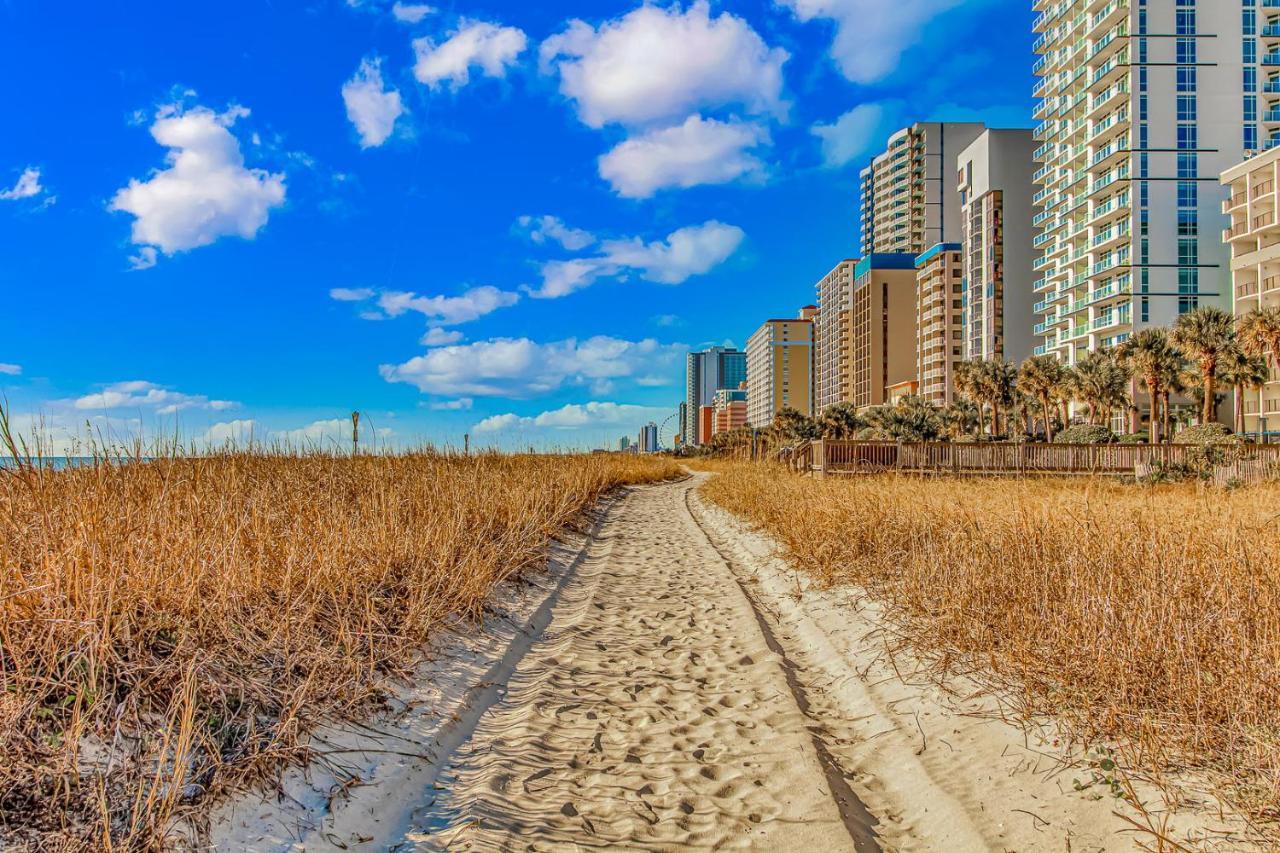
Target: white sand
635, 698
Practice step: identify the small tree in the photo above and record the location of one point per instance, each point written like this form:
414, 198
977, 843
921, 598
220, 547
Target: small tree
1042, 377
1205, 337
840, 422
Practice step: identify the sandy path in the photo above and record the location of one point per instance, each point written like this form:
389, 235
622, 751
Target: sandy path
671, 683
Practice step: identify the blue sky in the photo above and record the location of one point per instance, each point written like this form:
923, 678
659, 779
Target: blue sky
508, 219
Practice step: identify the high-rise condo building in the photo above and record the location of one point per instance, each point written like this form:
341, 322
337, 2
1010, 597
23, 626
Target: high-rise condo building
994, 177
706, 373
882, 327
1254, 238
1142, 104
831, 381
909, 197
779, 370
649, 438
940, 321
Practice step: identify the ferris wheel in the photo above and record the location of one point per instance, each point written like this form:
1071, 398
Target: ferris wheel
663, 434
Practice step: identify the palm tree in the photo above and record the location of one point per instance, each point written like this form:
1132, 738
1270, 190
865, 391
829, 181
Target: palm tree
1101, 384
1244, 371
792, 425
840, 421
1041, 376
1205, 336
966, 376
998, 380
1145, 355
1259, 334
960, 417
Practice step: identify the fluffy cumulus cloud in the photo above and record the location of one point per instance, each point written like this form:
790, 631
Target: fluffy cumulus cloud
411, 13
659, 64
204, 193
519, 367
237, 432
27, 186
699, 151
439, 310
851, 135
371, 106
140, 394
10, 369
551, 229
574, 416
870, 35
438, 337
689, 251
464, 404
491, 48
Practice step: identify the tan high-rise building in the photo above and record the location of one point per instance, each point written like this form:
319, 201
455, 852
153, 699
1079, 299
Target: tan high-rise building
994, 178
779, 370
1254, 238
882, 327
831, 379
1141, 107
940, 321
909, 196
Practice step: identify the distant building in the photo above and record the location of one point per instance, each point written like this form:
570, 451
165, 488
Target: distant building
706, 423
909, 196
831, 337
706, 373
780, 369
882, 327
682, 417
648, 442
624, 444
939, 321
730, 410
995, 182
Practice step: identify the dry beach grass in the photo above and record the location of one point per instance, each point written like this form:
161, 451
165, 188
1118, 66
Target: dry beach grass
170, 628
1145, 616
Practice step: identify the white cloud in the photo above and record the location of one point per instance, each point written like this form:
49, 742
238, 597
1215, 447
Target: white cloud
10, 369
144, 260
871, 35
371, 106
690, 251
27, 186
411, 13
325, 434
438, 337
851, 135
657, 64
574, 416
351, 294
204, 193
474, 44
148, 395
519, 367
464, 404
439, 310
700, 151
237, 432
545, 229
666, 320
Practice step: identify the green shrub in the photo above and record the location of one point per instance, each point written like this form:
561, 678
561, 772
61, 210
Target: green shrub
1085, 434
1134, 438
1207, 434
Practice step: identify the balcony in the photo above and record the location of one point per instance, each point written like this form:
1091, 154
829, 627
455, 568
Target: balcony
1272, 58
1236, 200
1246, 289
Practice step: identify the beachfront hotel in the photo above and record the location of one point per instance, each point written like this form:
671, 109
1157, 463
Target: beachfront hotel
882, 327
909, 198
1141, 107
993, 176
706, 372
1254, 237
729, 410
940, 321
779, 370
831, 378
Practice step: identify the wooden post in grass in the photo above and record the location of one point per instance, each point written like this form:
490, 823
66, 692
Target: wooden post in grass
466, 444
355, 433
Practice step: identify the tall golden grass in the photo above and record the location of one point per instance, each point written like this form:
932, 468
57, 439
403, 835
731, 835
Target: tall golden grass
170, 627
1149, 615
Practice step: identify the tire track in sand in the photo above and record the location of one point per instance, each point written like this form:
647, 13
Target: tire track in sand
655, 712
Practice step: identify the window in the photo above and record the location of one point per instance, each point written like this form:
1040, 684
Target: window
1186, 108
1251, 137
1186, 51
1188, 251
1188, 223
1185, 20
1188, 281
1250, 108
1187, 165
1186, 79
1187, 137
1249, 22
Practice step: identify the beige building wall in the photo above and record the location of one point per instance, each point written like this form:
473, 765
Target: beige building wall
882, 336
832, 382
779, 370
940, 321
1254, 238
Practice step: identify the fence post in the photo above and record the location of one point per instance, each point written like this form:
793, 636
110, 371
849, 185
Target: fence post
819, 453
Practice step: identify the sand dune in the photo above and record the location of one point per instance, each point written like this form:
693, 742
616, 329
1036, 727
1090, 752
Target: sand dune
671, 684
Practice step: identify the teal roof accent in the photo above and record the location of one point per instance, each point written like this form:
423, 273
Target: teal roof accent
884, 262
938, 249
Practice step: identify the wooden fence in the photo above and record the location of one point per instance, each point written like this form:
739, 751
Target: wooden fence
864, 457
